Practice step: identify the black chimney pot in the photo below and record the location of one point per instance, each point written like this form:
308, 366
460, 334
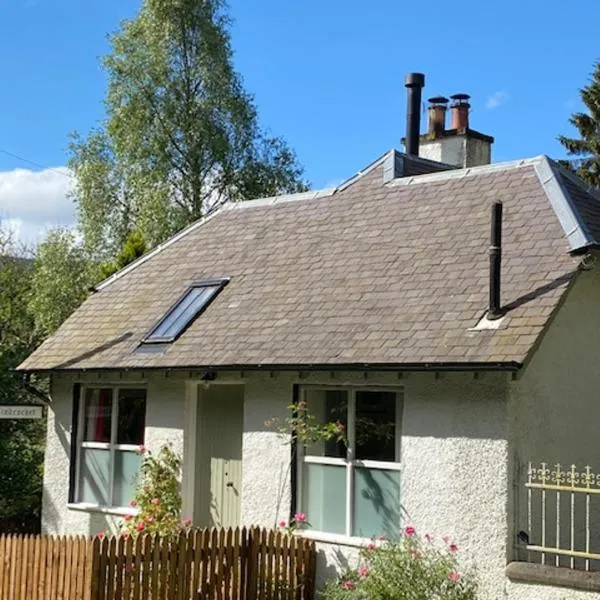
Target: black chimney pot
414, 82
495, 311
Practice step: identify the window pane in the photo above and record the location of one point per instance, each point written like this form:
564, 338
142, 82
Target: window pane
132, 416
376, 503
94, 476
328, 406
189, 306
376, 426
97, 416
127, 465
324, 497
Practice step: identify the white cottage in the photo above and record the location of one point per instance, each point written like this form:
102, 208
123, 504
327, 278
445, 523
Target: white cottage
376, 303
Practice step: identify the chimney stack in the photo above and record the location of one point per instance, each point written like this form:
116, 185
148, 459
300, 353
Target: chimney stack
414, 83
437, 116
460, 111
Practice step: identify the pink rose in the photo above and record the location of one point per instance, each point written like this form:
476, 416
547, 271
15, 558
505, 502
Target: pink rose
155, 501
187, 522
127, 518
453, 548
140, 526
101, 535
428, 538
446, 539
282, 524
409, 531
142, 449
300, 517
133, 504
454, 576
347, 585
371, 546
363, 571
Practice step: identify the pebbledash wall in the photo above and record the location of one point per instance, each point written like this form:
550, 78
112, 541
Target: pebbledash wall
454, 456
554, 411
463, 435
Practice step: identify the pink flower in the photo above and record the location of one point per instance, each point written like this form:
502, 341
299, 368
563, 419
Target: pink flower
101, 535
300, 517
282, 524
381, 537
453, 548
409, 531
142, 449
125, 535
363, 571
140, 526
371, 546
428, 538
446, 539
155, 501
347, 585
133, 504
127, 518
150, 520
187, 522
454, 576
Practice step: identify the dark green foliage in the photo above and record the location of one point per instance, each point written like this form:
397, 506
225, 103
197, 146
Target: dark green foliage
21, 441
586, 148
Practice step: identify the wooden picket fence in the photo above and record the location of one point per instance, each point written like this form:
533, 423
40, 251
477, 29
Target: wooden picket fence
240, 564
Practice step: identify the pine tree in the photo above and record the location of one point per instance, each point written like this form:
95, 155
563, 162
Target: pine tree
586, 148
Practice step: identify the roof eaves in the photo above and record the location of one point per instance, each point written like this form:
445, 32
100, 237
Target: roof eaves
574, 227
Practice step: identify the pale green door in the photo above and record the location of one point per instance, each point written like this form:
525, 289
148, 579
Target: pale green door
219, 456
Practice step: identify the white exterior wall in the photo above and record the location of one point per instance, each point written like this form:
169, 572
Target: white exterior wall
459, 150
554, 410
164, 423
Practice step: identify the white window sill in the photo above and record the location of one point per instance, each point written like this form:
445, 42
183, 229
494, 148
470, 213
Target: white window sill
334, 538
106, 510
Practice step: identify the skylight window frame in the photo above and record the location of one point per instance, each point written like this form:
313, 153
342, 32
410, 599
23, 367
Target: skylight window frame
218, 283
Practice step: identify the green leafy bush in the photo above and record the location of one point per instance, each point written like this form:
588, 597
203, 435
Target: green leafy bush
157, 497
413, 568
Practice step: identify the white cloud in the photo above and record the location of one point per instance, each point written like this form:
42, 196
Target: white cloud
497, 99
31, 202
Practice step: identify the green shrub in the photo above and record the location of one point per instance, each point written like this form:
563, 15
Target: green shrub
157, 497
413, 568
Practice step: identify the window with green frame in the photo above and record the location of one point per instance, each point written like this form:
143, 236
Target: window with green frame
353, 489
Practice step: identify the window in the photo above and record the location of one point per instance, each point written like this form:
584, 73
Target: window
111, 429
180, 316
353, 490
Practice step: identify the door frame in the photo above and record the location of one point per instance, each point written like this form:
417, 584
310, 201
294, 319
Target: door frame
193, 391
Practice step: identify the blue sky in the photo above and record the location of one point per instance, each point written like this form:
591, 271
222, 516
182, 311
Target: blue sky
326, 75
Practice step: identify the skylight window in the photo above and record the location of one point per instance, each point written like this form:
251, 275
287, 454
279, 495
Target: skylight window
181, 315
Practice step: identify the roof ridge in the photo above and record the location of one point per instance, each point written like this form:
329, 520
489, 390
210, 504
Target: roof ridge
467, 172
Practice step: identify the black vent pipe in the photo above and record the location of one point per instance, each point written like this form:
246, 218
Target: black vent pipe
495, 311
414, 83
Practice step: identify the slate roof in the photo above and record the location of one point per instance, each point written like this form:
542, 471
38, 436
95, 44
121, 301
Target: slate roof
382, 274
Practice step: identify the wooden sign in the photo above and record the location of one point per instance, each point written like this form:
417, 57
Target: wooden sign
21, 411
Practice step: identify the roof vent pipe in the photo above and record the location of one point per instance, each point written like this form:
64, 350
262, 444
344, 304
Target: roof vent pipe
414, 83
495, 311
